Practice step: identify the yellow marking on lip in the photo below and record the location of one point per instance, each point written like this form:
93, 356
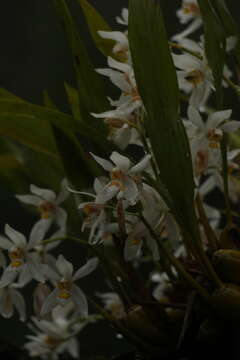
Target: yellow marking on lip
64, 294
135, 241
16, 263
191, 8
195, 77
46, 208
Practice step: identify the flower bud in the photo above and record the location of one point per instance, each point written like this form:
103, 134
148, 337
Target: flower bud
41, 292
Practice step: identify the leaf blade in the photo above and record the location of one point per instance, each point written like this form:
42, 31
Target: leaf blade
157, 84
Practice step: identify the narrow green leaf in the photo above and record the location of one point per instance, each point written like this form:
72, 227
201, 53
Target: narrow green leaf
157, 84
28, 130
90, 86
228, 23
5, 94
55, 117
95, 23
215, 45
73, 100
47, 101
8, 162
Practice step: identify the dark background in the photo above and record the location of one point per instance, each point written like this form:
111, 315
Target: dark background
34, 55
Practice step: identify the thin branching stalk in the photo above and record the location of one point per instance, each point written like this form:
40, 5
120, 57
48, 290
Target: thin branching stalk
225, 179
176, 263
211, 237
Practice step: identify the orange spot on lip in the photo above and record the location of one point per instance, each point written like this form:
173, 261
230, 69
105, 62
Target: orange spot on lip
65, 289
52, 342
46, 208
195, 77
65, 295
191, 8
92, 208
214, 137
135, 241
16, 263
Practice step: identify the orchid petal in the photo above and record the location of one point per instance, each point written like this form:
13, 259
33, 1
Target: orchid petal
45, 194
122, 162
107, 165
18, 238
80, 301
64, 267
139, 167
86, 269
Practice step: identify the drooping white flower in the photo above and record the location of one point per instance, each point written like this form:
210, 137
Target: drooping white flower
122, 76
10, 298
24, 261
55, 337
125, 177
65, 289
113, 303
211, 131
206, 136
217, 178
189, 11
153, 209
194, 74
122, 129
94, 211
163, 283
48, 203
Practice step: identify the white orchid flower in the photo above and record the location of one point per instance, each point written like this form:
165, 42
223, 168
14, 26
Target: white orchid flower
113, 303
125, 177
122, 75
47, 202
206, 136
217, 179
153, 209
189, 12
194, 74
55, 337
24, 261
163, 283
10, 298
211, 131
65, 289
95, 215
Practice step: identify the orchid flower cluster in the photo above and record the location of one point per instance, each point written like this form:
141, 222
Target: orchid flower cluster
126, 218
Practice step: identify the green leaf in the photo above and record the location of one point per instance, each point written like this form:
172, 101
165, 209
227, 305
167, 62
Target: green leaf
228, 23
215, 45
28, 130
45, 116
90, 86
73, 100
5, 94
157, 84
47, 101
95, 23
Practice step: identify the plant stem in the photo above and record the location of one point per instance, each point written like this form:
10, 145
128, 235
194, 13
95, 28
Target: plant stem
211, 237
225, 178
176, 263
